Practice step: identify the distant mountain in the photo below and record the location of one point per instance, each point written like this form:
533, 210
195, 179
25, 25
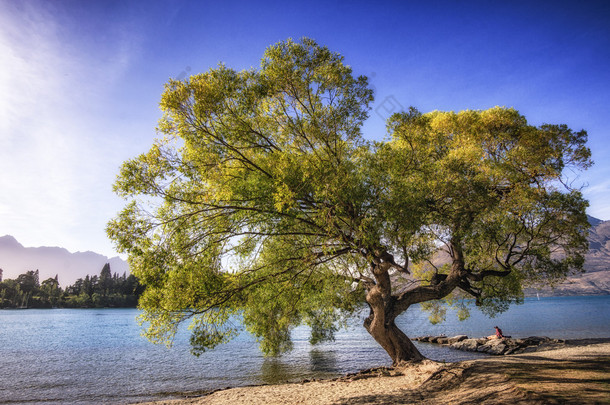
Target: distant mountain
596, 281
16, 259
598, 258
594, 221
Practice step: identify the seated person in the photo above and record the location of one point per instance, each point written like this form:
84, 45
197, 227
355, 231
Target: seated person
498, 334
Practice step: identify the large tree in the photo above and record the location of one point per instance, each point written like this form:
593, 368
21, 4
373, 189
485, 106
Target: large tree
262, 205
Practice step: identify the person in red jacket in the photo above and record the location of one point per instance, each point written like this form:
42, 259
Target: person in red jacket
498, 334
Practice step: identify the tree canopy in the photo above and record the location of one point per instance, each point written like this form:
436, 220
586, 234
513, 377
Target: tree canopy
262, 204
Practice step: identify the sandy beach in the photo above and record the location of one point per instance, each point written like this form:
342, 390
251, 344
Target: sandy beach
575, 374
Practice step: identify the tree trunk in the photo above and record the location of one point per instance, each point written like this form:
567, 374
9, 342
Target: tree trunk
398, 346
385, 308
380, 323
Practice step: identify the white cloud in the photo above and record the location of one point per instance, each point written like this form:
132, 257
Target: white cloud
52, 148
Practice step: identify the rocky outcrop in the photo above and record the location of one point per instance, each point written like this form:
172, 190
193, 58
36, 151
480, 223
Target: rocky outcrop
493, 346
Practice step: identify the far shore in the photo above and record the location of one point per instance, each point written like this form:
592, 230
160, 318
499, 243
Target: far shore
577, 373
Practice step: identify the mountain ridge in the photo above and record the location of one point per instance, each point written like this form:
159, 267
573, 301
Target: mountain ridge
69, 266
596, 279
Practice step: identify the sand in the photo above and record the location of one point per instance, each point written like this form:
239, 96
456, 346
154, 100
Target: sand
569, 375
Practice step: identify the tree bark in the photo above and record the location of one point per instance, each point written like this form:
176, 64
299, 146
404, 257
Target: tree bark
398, 346
380, 322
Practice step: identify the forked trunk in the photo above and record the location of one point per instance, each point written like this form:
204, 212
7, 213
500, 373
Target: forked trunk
393, 340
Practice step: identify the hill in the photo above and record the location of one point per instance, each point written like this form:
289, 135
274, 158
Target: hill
596, 281
599, 246
16, 259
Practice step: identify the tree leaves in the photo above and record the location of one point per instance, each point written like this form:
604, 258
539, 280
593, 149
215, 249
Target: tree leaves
263, 204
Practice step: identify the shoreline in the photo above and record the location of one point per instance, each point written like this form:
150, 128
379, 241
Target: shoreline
578, 372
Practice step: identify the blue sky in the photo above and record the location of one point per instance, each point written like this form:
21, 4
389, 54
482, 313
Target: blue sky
80, 82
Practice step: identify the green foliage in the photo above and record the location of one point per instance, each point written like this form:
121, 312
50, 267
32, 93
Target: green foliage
495, 189
246, 184
499, 292
437, 310
262, 204
211, 329
28, 282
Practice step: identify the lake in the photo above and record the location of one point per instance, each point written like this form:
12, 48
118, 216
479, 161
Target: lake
83, 356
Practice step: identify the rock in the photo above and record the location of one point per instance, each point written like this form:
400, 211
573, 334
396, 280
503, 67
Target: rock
502, 346
511, 346
457, 346
492, 346
483, 348
457, 338
469, 345
497, 349
495, 342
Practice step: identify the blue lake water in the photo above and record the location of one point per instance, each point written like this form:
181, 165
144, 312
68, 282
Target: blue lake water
66, 356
